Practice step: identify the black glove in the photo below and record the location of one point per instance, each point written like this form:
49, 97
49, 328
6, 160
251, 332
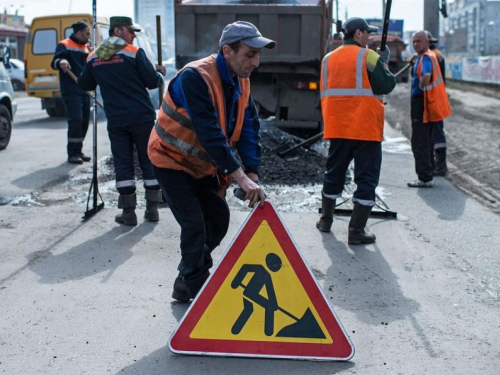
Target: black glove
385, 54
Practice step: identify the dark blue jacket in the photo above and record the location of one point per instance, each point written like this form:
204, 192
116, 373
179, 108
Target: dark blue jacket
123, 78
190, 91
76, 54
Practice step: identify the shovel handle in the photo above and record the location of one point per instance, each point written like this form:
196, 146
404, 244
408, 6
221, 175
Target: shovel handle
73, 77
279, 308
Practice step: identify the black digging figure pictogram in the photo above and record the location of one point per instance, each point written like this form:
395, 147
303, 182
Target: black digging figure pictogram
306, 326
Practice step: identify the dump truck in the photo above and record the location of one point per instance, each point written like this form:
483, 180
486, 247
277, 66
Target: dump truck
285, 87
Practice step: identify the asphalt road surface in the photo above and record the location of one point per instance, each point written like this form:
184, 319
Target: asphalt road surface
94, 297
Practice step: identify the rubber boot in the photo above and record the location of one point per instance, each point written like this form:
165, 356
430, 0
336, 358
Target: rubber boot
127, 203
153, 200
357, 232
327, 207
440, 162
184, 290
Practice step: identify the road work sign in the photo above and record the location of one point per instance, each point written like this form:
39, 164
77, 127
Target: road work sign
262, 301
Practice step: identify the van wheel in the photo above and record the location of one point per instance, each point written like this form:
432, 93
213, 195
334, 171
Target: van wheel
5, 126
56, 111
17, 85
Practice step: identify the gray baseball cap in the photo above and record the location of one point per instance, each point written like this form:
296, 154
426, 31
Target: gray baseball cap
245, 32
352, 24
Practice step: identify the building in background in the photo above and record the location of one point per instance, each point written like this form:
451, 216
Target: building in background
13, 33
473, 28
145, 12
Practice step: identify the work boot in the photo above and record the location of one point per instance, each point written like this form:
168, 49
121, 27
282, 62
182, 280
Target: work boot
153, 200
127, 203
327, 208
357, 232
440, 162
184, 290
75, 159
85, 157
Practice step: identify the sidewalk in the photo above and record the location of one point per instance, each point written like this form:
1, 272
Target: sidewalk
94, 297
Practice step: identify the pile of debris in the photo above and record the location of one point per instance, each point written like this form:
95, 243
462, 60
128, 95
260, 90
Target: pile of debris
302, 166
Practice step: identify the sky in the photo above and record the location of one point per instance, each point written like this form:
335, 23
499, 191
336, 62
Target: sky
409, 10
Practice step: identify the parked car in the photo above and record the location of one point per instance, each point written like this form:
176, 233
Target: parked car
8, 105
15, 68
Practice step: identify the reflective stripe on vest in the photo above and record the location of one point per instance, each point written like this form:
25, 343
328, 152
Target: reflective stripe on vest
180, 144
435, 68
72, 46
349, 107
357, 91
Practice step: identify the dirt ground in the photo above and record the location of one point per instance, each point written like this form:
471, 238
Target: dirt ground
473, 137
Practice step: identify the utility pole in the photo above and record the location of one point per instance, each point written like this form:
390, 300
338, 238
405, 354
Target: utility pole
431, 17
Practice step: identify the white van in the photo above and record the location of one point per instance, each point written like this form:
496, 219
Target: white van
8, 105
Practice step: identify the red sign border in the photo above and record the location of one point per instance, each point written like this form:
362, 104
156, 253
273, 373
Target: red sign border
341, 348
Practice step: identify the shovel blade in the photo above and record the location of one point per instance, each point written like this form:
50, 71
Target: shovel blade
305, 327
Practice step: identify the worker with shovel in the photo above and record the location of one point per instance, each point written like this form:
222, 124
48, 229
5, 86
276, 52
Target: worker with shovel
71, 53
124, 73
206, 116
353, 78
305, 326
261, 279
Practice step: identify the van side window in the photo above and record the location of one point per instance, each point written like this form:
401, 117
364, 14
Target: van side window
67, 32
44, 42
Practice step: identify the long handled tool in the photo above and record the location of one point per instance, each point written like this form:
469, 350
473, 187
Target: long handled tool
160, 57
305, 326
73, 77
385, 27
94, 190
307, 141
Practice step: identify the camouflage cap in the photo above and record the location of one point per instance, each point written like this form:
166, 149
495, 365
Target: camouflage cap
119, 21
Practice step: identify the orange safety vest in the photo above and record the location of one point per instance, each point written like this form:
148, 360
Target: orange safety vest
350, 108
436, 104
72, 46
173, 144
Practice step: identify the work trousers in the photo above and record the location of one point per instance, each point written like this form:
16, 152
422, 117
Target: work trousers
438, 135
367, 156
78, 115
202, 214
422, 141
122, 140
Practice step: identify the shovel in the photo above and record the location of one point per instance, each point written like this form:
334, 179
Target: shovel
304, 327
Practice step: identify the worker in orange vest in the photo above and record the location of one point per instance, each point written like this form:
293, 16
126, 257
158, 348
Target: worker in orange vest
353, 78
429, 106
439, 136
206, 116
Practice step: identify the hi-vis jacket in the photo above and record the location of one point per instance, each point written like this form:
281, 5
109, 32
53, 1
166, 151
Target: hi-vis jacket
436, 104
173, 143
123, 73
76, 54
350, 108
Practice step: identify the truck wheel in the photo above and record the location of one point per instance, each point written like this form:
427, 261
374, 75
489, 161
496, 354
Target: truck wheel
5, 126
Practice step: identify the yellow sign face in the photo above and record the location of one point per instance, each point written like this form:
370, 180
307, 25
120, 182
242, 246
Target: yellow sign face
262, 299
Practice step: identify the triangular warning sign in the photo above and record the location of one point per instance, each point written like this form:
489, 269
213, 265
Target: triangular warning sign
262, 301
